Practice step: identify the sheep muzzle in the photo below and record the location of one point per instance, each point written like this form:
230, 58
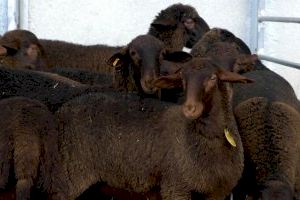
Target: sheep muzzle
193, 111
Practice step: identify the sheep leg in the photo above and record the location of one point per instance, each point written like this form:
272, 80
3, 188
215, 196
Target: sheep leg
23, 189
6, 155
4, 165
26, 158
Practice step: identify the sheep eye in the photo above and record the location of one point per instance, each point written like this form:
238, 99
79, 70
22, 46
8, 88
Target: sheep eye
213, 77
132, 53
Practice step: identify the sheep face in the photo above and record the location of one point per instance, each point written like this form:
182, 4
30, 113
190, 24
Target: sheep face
195, 29
21, 49
142, 59
178, 26
200, 79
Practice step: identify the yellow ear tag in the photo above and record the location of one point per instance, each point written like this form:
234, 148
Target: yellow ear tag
229, 137
116, 62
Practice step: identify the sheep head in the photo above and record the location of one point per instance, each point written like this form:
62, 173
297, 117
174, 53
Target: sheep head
200, 79
218, 35
141, 59
21, 49
178, 25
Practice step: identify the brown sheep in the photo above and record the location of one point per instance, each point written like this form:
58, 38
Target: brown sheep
85, 57
271, 106
25, 126
51, 89
270, 133
178, 26
274, 91
21, 49
135, 156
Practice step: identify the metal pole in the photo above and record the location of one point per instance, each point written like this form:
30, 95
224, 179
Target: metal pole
280, 61
254, 26
3, 17
13, 14
24, 14
279, 19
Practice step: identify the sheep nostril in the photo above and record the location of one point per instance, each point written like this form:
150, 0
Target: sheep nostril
190, 108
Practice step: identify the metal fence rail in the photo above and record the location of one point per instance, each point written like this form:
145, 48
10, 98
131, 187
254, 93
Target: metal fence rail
279, 19
279, 61
258, 32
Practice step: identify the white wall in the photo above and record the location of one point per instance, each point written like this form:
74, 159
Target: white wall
3, 16
116, 22
282, 40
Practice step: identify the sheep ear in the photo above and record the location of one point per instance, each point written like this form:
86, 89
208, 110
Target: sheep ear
178, 56
244, 63
118, 59
228, 76
164, 23
168, 82
13, 45
3, 51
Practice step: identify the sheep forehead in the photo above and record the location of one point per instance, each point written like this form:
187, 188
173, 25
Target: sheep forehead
146, 41
20, 37
199, 67
223, 48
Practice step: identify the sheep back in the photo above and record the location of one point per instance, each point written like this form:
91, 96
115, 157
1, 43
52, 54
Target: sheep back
270, 133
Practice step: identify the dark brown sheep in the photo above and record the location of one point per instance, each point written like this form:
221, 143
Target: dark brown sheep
270, 133
84, 76
274, 90
178, 26
135, 156
271, 106
21, 49
51, 89
86, 57
25, 126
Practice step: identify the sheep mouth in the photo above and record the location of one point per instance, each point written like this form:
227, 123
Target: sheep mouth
192, 111
148, 87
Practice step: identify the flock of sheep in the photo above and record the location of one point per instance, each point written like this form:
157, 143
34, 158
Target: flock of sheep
146, 120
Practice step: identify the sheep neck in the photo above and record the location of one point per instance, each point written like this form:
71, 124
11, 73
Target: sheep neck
219, 117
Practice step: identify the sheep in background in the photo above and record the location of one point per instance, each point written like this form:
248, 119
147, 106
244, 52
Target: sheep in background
84, 76
51, 89
276, 93
218, 35
21, 49
85, 57
135, 155
268, 118
178, 26
270, 133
